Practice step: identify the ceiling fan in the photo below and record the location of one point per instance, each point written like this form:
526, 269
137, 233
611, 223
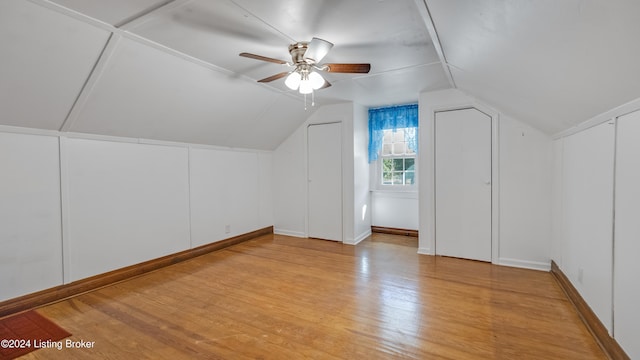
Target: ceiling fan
305, 58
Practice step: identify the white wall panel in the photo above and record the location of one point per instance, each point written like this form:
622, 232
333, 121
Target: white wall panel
30, 233
395, 209
361, 182
126, 203
325, 175
225, 194
587, 213
557, 222
265, 189
525, 195
290, 185
627, 235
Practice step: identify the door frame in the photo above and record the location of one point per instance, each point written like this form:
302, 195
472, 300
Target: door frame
427, 240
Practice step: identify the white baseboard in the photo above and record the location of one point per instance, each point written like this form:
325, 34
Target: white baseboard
289, 233
525, 264
424, 251
358, 239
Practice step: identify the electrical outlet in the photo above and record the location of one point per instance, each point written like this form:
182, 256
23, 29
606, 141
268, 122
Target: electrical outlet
227, 229
580, 275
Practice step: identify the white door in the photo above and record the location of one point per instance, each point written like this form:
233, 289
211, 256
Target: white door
463, 184
325, 181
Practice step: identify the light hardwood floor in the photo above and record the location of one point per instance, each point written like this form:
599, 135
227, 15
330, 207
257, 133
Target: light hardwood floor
277, 297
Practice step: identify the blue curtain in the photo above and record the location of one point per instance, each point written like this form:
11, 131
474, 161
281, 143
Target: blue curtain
392, 118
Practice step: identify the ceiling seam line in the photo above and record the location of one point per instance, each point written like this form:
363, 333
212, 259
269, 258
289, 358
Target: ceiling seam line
392, 70
88, 84
142, 13
433, 33
263, 21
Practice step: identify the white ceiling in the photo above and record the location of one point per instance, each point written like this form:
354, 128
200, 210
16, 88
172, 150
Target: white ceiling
553, 64
170, 70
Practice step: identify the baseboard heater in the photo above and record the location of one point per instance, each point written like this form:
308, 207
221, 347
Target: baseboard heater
394, 231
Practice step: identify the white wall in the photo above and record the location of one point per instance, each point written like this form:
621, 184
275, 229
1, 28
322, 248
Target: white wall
596, 234
290, 174
395, 209
125, 203
30, 230
596, 176
587, 213
626, 294
97, 203
362, 206
521, 183
230, 193
525, 195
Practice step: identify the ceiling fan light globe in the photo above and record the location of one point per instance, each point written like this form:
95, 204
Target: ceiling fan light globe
305, 87
317, 81
293, 80
317, 49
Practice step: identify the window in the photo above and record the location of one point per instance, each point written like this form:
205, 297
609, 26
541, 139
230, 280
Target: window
398, 160
393, 144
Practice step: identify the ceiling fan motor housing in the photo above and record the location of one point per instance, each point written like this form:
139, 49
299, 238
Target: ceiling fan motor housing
297, 52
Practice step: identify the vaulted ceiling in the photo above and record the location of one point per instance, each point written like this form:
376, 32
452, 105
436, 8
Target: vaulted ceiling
170, 70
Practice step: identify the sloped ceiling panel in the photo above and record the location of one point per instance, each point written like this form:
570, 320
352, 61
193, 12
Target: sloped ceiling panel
146, 93
271, 128
416, 80
170, 70
46, 58
390, 35
553, 64
113, 12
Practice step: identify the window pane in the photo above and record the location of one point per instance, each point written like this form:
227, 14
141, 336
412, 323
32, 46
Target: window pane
409, 163
410, 177
398, 164
410, 151
398, 136
387, 165
386, 178
387, 136
398, 148
397, 178
386, 149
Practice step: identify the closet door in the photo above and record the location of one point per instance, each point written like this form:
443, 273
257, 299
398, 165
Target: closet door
627, 235
463, 184
325, 181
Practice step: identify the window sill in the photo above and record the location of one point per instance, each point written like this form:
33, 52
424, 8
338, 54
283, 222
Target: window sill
395, 191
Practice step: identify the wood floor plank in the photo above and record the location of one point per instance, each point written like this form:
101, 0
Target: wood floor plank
278, 297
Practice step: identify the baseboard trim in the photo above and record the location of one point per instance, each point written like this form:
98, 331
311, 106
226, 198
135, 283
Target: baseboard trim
289, 233
424, 251
66, 291
524, 264
394, 231
608, 344
358, 239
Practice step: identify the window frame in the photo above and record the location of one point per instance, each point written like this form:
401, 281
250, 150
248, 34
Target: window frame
377, 172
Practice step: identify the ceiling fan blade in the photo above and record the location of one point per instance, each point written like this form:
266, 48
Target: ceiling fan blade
347, 68
263, 58
275, 77
317, 49
326, 85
